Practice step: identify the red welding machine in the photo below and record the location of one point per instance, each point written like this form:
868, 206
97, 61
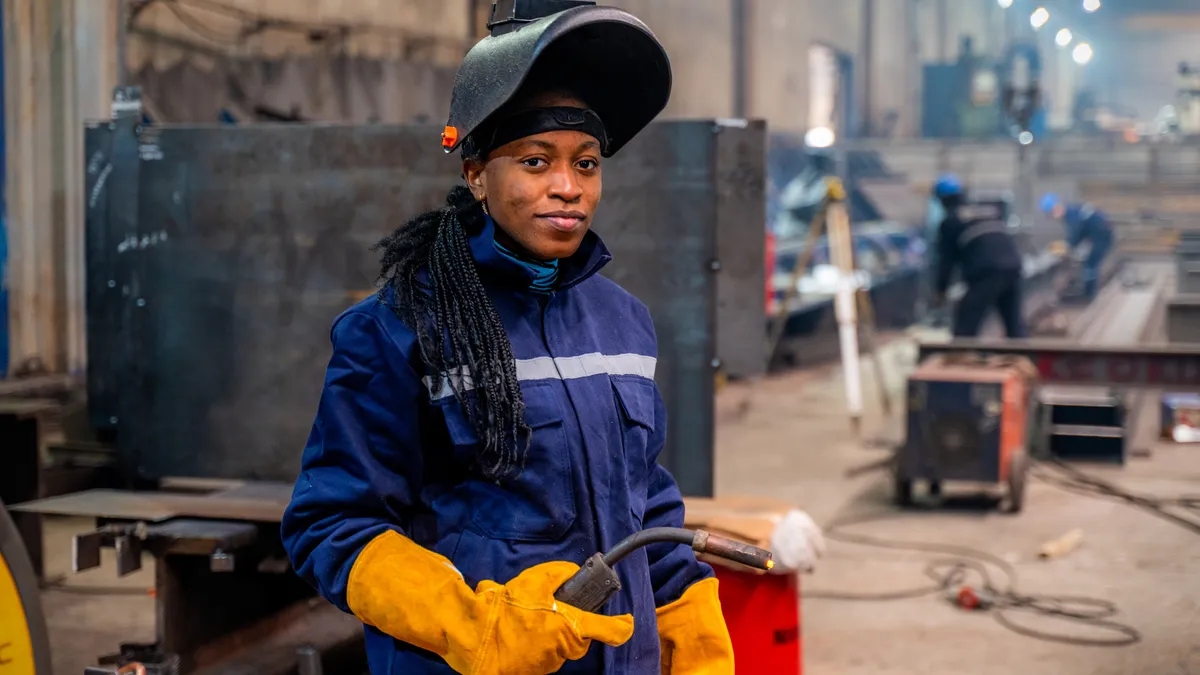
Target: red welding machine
969, 419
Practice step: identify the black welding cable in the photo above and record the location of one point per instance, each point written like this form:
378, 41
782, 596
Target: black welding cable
1066, 477
965, 563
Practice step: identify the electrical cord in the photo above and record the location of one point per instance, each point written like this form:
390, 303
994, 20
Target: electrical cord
963, 564
1066, 477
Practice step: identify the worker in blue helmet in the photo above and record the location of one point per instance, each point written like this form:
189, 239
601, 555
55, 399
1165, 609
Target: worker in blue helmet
975, 240
1084, 223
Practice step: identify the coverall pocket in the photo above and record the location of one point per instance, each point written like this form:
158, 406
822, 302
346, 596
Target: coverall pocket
537, 501
636, 398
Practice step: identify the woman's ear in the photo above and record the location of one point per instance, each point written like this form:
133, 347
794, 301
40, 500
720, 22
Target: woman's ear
473, 173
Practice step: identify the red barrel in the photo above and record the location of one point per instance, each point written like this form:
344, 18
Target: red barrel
763, 615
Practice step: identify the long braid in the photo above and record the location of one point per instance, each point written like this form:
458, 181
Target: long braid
450, 302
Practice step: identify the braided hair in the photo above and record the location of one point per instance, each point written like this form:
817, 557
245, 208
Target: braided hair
430, 280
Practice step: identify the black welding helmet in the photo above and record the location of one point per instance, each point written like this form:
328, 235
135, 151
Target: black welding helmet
604, 55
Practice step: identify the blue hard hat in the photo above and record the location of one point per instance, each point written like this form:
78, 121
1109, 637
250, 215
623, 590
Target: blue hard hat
947, 185
1049, 202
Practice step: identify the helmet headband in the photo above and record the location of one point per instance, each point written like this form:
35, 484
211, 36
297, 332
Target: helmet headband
535, 121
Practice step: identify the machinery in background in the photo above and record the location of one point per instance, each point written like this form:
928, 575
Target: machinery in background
976, 97
969, 419
959, 431
1187, 109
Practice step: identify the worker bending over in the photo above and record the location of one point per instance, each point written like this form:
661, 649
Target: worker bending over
490, 420
1084, 223
975, 239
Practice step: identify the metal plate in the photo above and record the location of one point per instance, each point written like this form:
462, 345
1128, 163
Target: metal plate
266, 506
250, 240
1175, 367
741, 214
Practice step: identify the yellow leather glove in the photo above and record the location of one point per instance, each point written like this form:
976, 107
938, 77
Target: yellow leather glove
693, 635
418, 597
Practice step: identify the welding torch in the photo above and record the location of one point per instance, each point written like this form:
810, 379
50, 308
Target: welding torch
596, 581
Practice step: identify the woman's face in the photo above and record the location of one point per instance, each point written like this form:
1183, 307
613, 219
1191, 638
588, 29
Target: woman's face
542, 190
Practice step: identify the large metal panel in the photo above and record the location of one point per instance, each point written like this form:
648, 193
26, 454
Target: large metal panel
740, 162
659, 218
249, 241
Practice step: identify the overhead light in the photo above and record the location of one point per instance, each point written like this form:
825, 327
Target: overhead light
1005, 4
1082, 53
1064, 37
1088, 5
819, 137
1025, 138
1040, 17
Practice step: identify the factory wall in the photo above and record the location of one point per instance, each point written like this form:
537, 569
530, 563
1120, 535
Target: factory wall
60, 60
698, 36
162, 33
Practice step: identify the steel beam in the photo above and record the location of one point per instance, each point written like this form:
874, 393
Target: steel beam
1174, 367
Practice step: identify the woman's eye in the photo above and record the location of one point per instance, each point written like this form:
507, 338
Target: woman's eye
534, 162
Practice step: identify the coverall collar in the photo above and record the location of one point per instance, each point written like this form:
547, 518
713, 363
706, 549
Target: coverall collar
591, 257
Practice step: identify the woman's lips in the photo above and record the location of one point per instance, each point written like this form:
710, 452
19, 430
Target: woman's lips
563, 221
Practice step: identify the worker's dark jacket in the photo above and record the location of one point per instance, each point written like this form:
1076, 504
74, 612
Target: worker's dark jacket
1085, 223
387, 452
976, 241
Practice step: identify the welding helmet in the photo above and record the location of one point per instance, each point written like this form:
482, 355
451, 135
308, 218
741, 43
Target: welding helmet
1049, 203
604, 55
947, 185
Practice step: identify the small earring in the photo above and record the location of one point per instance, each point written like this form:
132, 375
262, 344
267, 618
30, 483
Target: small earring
483, 203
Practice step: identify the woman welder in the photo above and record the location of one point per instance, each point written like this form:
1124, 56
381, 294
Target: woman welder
490, 420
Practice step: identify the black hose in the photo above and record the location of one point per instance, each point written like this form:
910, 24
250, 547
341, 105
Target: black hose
654, 535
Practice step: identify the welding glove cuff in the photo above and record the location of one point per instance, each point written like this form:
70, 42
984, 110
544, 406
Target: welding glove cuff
420, 598
692, 633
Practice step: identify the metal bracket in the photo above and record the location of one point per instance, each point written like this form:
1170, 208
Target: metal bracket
216, 539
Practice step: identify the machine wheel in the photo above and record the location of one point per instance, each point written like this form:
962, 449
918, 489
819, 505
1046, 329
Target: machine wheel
1018, 474
904, 491
24, 643
935, 488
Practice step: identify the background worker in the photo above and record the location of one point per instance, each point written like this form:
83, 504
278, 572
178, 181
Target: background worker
1084, 223
491, 420
933, 310
976, 240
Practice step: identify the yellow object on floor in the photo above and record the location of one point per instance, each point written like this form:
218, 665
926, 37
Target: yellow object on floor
418, 597
693, 634
1059, 248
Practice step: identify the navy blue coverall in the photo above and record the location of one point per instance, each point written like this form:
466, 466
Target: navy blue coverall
388, 451
975, 240
1084, 223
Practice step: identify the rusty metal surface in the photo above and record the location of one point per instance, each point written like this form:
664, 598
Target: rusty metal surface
249, 241
267, 507
1174, 367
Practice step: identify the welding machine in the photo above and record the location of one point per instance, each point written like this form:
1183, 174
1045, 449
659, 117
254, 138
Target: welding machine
970, 419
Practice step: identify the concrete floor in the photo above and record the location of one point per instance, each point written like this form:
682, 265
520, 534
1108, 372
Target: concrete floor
794, 442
